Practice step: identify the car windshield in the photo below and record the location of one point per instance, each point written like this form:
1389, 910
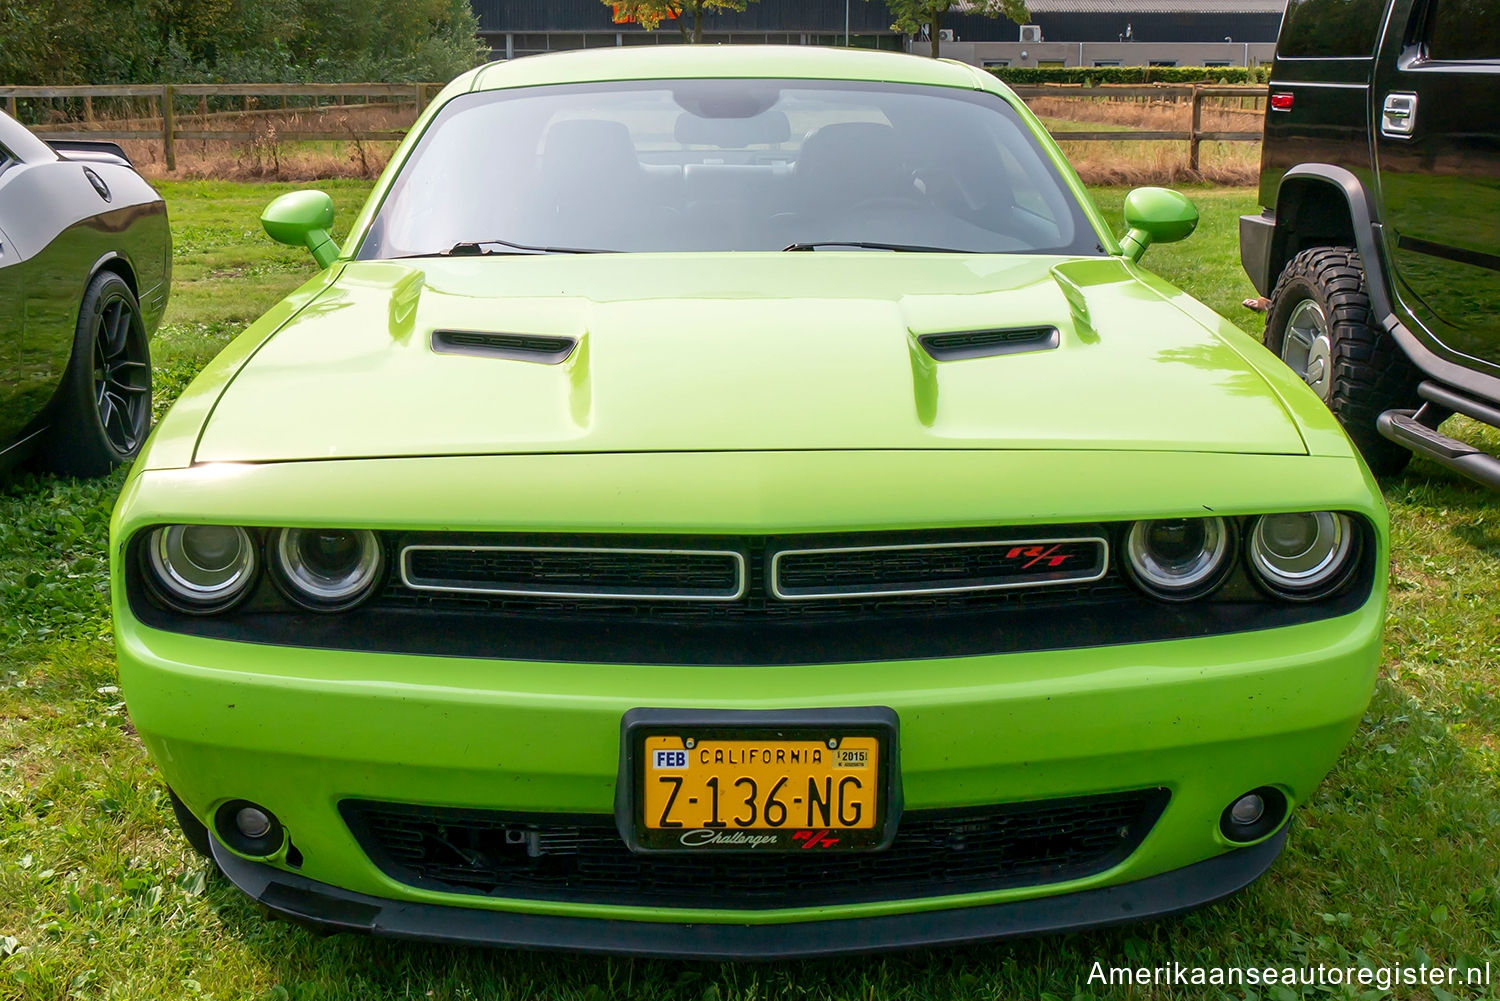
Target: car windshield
727, 165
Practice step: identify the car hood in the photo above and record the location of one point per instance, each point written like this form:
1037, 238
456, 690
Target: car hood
792, 351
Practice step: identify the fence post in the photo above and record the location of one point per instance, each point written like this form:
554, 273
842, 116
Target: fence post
1197, 126
168, 127
10, 106
421, 92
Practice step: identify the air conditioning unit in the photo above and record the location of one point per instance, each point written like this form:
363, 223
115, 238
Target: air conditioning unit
1031, 32
946, 35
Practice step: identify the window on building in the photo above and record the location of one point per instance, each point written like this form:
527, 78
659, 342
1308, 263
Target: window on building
995, 63
1217, 62
1162, 62
526, 44
1107, 62
1330, 28
1463, 30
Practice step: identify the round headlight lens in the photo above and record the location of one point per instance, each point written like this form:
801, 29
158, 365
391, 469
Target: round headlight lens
325, 569
1179, 558
201, 568
1304, 555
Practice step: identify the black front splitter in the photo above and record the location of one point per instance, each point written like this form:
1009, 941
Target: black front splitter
309, 902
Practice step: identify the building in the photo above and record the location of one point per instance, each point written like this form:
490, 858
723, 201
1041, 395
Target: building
1121, 33
1063, 32
522, 27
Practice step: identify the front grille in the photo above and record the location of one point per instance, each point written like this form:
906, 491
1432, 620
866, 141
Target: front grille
614, 573
952, 567
755, 606
584, 860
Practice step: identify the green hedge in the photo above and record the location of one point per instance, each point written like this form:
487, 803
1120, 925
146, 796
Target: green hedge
1096, 75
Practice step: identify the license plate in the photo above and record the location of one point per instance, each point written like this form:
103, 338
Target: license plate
789, 784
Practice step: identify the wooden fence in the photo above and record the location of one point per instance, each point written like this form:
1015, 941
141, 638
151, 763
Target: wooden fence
1196, 93
167, 100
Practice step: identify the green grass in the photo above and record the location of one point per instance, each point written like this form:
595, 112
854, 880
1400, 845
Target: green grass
1396, 858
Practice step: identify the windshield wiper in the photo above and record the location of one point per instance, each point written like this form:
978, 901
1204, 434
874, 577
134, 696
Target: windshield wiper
900, 248
481, 248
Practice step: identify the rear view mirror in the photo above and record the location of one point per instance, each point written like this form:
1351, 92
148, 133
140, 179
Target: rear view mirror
1156, 215
303, 219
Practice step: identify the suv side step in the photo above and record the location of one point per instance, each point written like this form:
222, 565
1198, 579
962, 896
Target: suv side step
1417, 430
1457, 402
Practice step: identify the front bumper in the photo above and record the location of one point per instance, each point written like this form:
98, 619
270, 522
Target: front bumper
301, 731
329, 908
1256, 235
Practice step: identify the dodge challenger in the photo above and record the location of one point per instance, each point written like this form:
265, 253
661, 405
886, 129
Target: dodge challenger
741, 503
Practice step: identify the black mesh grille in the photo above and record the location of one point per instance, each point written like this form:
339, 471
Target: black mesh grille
1002, 564
757, 611
584, 860
609, 571
756, 606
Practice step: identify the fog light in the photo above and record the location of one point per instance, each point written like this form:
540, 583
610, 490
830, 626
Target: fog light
1246, 810
249, 828
1253, 815
252, 822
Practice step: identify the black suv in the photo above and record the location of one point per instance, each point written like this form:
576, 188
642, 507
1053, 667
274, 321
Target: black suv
1380, 244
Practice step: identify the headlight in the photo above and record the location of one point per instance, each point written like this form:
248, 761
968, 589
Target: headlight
200, 568
327, 570
1179, 559
1302, 556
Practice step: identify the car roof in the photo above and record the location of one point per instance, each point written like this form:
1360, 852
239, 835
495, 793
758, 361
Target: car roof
672, 62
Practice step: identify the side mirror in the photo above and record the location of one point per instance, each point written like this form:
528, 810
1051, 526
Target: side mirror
1156, 215
303, 219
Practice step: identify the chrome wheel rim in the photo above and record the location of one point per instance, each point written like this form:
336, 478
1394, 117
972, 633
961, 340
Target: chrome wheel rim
122, 375
1306, 348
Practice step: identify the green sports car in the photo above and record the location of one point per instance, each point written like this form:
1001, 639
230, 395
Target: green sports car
742, 503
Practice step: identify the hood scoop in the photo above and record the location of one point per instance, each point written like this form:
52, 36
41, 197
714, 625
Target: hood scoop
538, 348
987, 343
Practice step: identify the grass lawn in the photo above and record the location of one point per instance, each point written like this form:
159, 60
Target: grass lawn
1395, 859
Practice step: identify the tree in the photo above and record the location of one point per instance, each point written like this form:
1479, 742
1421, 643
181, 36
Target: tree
649, 14
912, 15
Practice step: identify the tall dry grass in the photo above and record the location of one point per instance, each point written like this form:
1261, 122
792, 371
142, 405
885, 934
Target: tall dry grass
275, 152
1164, 163
1137, 162
1156, 116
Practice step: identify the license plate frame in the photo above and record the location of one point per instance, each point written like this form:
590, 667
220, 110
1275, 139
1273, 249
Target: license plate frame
878, 722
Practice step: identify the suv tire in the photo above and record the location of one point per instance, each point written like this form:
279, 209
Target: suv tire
1319, 324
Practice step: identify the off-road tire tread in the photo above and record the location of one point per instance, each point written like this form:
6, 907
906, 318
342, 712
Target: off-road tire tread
1370, 372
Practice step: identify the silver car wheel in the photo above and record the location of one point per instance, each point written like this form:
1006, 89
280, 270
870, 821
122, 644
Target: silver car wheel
1306, 349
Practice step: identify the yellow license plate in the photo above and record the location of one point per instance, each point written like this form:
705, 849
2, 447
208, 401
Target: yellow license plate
770, 792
